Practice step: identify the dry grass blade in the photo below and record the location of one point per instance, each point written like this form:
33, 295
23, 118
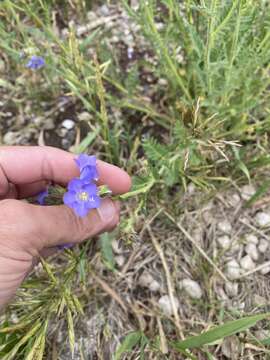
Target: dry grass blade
169, 281
109, 291
201, 251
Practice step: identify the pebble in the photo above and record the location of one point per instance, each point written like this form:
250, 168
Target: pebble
231, 288
10, 138
48, 124
233, 269
225, 226
166, 306
104, 10
265, 270
231, 347
234, 200
84, 116
259, 300
146, 280
263, 245
262, 334
251, 250
2, 65
116, 247
164, 82
247, 263
68, 124
251, 238
154, 286
248, 191
192, 288
120, 260
262, 219
224, 241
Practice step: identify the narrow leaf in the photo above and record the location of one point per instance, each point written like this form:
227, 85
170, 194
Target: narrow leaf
219, 332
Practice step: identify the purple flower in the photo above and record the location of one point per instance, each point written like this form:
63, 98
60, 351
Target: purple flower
81, 196
65, 246
42, 196
88, 167
35, 63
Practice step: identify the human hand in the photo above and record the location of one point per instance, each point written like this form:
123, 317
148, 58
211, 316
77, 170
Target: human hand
29, 231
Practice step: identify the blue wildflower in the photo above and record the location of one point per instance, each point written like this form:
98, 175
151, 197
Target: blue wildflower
42, 196
88, 167
35, 63
81, 196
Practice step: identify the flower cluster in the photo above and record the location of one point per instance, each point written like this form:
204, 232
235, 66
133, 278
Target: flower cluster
82, 194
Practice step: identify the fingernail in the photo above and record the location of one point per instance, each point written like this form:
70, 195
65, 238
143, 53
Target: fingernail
106, 210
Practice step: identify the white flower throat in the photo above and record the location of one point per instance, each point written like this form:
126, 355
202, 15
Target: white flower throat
84, 196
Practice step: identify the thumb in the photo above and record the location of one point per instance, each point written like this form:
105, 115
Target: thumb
39, 227
59, 225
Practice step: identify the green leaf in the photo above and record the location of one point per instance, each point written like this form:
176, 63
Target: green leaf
106, 250
139, 187
128, 344
87, 141
219, 332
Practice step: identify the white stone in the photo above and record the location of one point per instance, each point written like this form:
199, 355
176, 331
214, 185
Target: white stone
231, 347
224, 241
263, 245
104, 10
247, 263
164, 82
146, 280
116, 247
234, 200
224, 226
262, 219
247, 192
10, 138
68, 124
154, 286
233, 270
192, 288
265, 270
251, 238
166, 306
120, 260
251, 250
231, 288
84, 116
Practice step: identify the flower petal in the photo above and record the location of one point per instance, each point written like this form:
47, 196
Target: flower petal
75, 184
93, 202
42, 196
80, 209
89, 173
69, 198
90, 188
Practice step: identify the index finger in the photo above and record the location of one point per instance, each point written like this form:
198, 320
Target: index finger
28, 164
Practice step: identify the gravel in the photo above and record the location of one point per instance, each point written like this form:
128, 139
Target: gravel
166, 306
247, 263
192, 288
225, 226
233, 270
262, 219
